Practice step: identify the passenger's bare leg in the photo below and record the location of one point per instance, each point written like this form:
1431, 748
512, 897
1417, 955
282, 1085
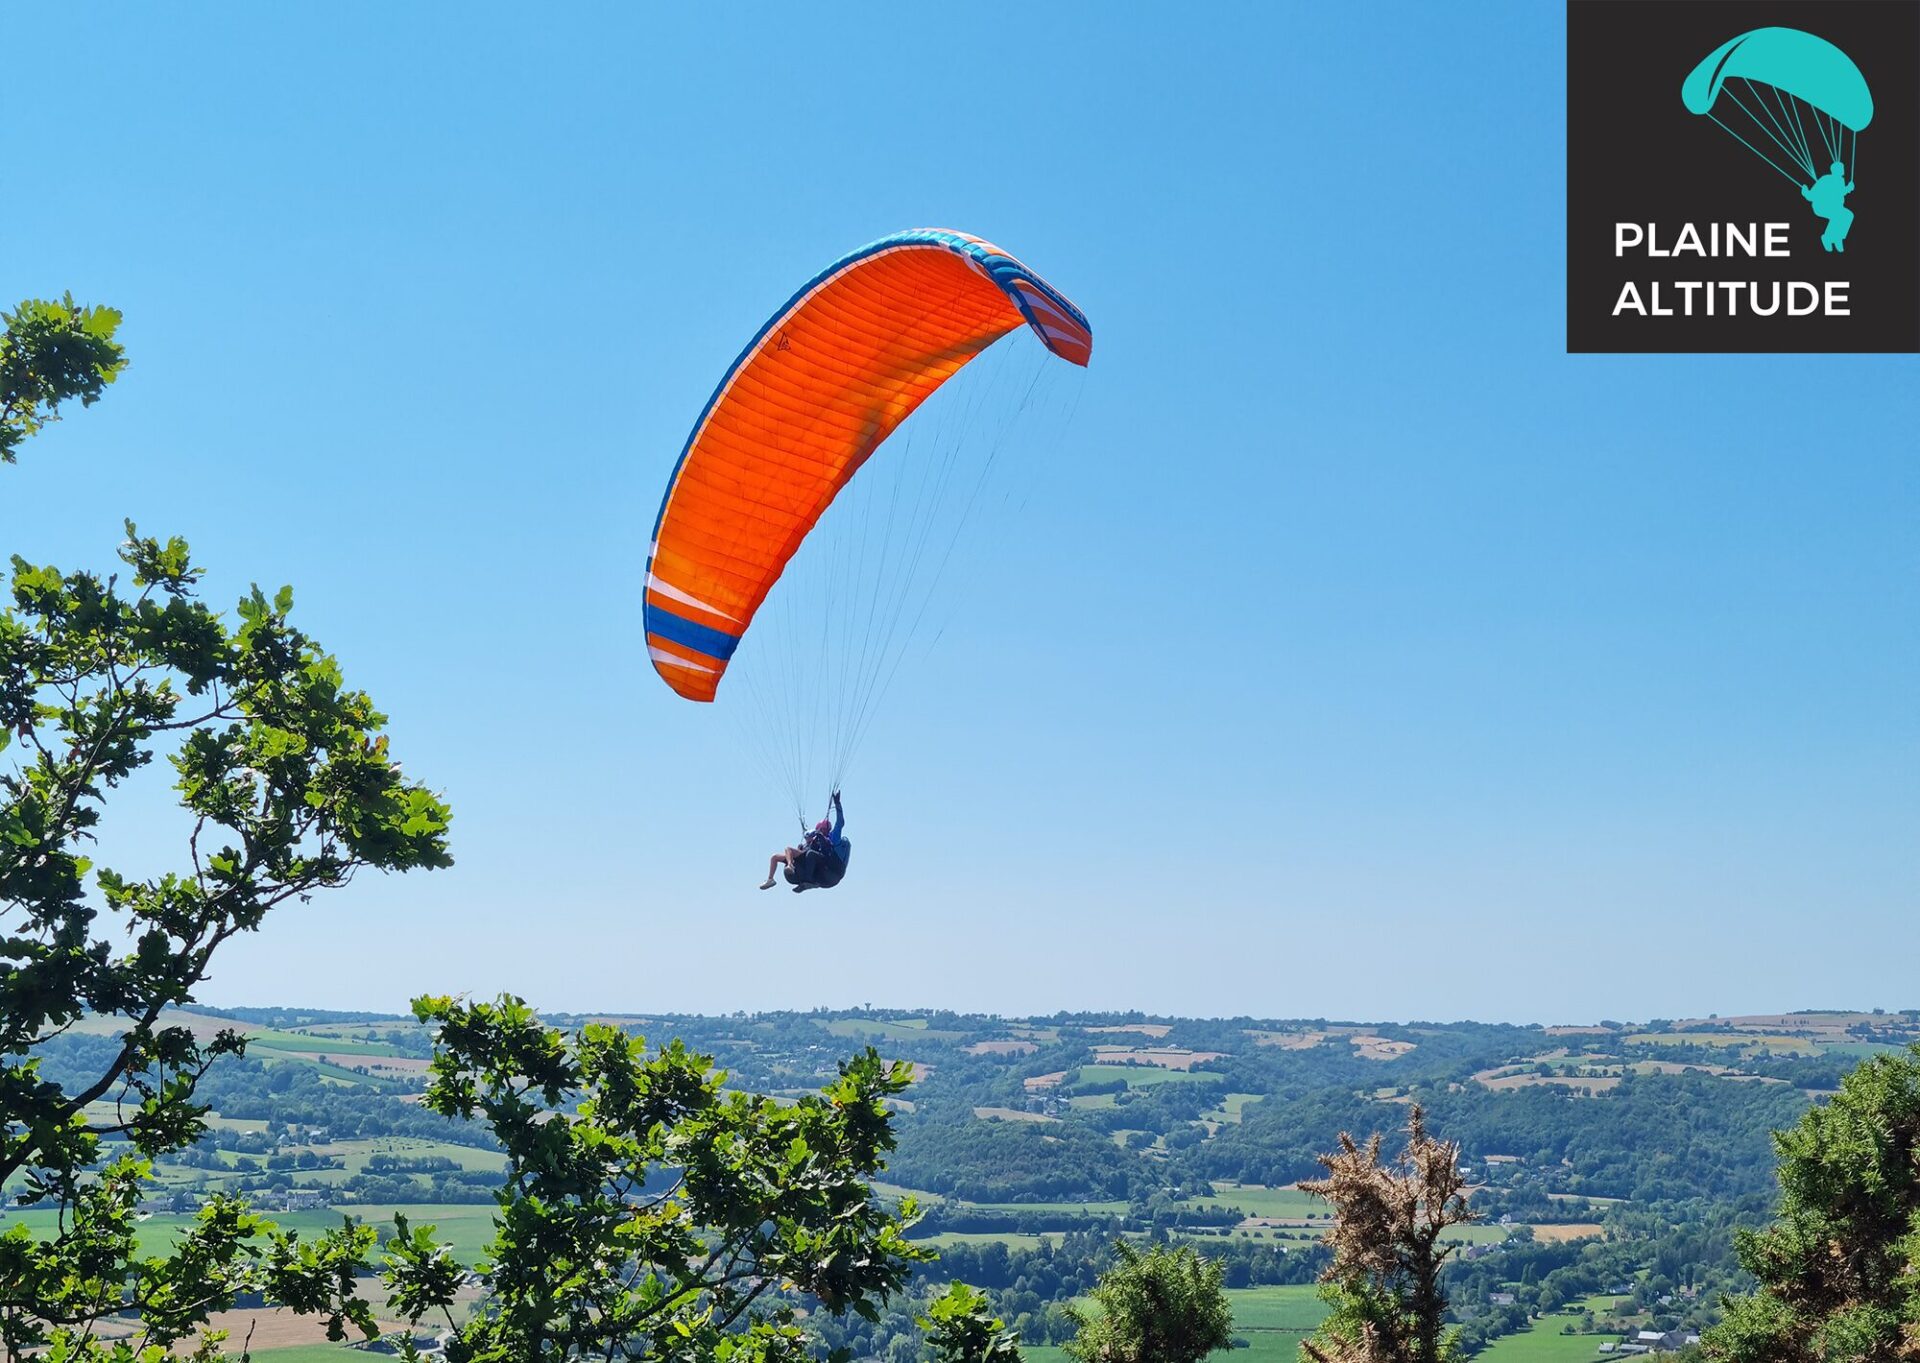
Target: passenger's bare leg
776, 861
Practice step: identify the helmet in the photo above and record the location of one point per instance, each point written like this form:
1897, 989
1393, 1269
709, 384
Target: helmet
823, 827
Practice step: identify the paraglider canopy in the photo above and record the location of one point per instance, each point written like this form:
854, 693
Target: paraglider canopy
816, 391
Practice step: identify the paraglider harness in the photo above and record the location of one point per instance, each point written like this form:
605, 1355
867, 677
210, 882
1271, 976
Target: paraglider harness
820, 867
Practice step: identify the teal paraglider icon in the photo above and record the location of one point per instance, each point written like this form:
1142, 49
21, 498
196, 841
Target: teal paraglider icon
1787, 97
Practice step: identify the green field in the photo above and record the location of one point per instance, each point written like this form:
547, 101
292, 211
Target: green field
157, 1233
1542, 1342
1255, 1200
1140, 1076
1295, 1308
1605, 1306
465, 1226
1232, 1107
358, 1153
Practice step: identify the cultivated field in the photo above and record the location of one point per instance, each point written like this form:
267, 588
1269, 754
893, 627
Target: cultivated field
1569, 1230
1288, 1041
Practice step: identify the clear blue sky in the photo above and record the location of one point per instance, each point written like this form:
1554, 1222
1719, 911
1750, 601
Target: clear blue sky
1369, 619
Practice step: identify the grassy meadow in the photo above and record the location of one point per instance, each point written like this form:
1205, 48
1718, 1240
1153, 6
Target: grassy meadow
1543, 1342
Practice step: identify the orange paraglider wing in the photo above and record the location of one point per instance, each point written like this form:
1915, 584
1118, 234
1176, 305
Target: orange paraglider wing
821, 386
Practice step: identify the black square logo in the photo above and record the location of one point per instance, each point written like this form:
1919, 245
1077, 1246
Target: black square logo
1743, 175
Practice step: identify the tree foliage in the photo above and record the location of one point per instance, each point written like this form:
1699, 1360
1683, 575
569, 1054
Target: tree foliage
961, 1329
648, 1211
1839, 1269
1161, 1306
287, 787
52, 353
1389, 1217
